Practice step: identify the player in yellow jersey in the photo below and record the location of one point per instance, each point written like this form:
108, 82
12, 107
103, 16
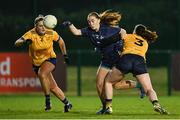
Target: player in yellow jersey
43, 59
133, 61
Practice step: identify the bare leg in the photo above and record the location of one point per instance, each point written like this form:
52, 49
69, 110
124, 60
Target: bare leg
100, 77
114, 76
43, 73
127, 84
59, 93
55, 89
124, 84
144, 79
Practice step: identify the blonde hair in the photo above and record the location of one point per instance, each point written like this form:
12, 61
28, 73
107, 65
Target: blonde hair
108, 17
95, 14
40, 17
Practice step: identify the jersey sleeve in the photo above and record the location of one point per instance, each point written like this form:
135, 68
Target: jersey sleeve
84, 31
56, 36
27, 36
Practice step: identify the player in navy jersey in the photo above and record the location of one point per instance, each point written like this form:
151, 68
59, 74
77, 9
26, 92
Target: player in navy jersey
106, 36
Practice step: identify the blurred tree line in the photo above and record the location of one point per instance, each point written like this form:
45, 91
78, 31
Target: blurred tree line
16, 17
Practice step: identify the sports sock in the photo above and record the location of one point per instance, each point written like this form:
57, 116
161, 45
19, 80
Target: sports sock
138, 85
108, 103
47, 100
65, 101
155, 102
104, 104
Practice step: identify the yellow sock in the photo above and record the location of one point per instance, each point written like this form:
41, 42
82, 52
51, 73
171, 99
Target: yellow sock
108, 104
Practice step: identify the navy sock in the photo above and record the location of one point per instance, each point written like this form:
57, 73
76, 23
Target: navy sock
154, 101
104, 104
47, 100
65, 101
108, 100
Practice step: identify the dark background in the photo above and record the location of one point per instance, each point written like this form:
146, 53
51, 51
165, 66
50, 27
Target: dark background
17, 16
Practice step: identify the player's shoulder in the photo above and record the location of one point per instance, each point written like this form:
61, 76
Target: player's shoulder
129, 35
51, 32
86, 29
139, 37
31, 31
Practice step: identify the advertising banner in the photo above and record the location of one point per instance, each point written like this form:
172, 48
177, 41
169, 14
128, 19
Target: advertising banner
16, 74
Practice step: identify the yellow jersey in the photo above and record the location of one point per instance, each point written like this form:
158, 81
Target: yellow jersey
134, 44
41, 48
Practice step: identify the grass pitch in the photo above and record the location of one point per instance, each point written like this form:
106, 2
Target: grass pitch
126, 103
124, 107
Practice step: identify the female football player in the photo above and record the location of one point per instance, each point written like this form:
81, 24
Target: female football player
43, 59
133, 61
106, 36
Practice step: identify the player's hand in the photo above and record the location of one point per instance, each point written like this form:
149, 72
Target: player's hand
18, 44
66, 24
66, 59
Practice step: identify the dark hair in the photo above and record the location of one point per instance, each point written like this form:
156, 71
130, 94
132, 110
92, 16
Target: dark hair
139, 29
142, 31
40, 17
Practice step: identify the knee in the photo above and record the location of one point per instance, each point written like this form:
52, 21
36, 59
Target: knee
42, 75
99, 83
149, 91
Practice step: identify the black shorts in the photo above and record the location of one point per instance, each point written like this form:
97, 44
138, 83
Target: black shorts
131, 63
51, 60
110, 55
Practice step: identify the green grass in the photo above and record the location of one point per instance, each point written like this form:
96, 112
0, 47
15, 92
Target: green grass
31, 107
126, 103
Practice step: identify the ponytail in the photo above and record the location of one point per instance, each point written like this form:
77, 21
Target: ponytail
110, 18
142, 31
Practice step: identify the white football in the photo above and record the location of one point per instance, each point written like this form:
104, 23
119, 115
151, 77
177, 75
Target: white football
50, 21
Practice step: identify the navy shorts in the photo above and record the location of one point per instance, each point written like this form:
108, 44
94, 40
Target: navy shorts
110, 60
131, 63
51, 60
110, 55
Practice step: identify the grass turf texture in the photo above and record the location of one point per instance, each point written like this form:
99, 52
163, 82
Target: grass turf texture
85, 107
126, 103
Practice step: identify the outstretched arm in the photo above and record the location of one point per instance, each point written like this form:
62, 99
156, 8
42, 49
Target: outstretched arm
72, 28
21, 41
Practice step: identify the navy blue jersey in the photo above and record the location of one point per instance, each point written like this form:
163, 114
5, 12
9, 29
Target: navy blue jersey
107, 41
104, 37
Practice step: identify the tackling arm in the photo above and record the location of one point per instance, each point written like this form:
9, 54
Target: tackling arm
123, 33
72, 28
